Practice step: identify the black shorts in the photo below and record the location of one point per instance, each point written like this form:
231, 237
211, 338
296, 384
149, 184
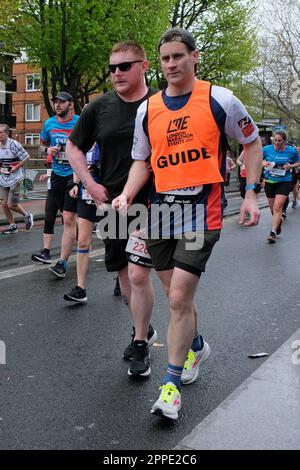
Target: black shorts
116, 257
272, 189
167, 254
87, 211
59, 193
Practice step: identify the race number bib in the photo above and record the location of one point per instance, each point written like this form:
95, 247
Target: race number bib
62, 159
137, 252
86, 197
190, 191
5, 170
277, 172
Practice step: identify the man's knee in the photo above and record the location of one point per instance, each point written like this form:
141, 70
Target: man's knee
138, 275
5, 205
178, 300
69, 220
83, 243
277, 208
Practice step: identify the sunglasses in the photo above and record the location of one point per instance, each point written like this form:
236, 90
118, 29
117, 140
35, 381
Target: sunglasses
123, 67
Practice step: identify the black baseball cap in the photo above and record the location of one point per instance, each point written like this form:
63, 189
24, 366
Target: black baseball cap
63, 96
180, 35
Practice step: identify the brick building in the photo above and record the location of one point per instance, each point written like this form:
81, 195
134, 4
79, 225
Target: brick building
28, 104
7, 89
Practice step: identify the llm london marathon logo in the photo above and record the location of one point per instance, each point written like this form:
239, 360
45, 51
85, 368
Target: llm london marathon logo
2, 353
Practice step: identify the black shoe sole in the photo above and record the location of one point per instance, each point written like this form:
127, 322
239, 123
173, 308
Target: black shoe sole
143, 374
72, 299
34, 258
60, 276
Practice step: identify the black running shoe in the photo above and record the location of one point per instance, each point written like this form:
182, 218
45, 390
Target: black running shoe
58, 269
117, 290
283, 215
77, 294
140, 364
28, 219
12, 229
272, 237
42, 257
151, 337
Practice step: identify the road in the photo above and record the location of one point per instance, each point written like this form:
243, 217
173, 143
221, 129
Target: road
65, 385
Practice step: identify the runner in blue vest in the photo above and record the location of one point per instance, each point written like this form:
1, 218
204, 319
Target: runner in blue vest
279, 160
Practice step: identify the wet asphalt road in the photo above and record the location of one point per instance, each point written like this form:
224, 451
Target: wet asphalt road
65, 385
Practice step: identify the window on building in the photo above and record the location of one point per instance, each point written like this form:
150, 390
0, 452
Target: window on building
32, 139
32, 112
33, 82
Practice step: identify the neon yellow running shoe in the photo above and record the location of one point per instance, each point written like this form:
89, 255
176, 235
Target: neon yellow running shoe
192, 364
169, 402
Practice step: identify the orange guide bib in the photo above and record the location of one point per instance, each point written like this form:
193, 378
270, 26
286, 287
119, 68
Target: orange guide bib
185, 143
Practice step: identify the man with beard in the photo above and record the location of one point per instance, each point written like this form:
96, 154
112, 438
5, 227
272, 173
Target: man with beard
54, 136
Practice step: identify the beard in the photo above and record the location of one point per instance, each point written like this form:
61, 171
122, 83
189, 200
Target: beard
63, 113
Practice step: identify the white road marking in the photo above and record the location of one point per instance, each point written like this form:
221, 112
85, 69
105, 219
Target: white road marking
41, 267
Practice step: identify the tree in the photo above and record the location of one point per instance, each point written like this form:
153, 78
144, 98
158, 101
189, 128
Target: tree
224, 34
278, 76
70, 39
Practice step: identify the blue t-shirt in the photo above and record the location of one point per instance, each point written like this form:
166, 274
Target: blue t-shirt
56, 133
280, 158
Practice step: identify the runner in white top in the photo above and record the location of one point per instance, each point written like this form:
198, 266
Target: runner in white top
12, 158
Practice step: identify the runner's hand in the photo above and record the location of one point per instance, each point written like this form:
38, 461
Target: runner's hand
74, 192
53, 151
43, 178
120, 204
249, 211
98, 193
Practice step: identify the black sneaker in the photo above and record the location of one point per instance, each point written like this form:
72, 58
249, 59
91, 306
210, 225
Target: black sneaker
140, 364
283, 215
58, 269
42, 257
117, 290
77, 294
272, 237
151, 336
28, 219
11, 229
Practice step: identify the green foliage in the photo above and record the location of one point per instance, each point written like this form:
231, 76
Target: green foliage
71, 39
225, 37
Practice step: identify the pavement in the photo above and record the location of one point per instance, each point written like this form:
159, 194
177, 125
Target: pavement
264, 411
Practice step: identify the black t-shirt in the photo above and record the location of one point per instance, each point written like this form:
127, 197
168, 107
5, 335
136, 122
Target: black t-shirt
110, 121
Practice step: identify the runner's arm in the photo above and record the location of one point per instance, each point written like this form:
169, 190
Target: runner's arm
78, 163
138, 176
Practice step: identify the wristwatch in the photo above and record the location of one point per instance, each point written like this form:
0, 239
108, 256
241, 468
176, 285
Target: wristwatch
256, 187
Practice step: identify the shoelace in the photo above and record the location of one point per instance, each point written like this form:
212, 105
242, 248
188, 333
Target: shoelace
189, 360
168, 392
